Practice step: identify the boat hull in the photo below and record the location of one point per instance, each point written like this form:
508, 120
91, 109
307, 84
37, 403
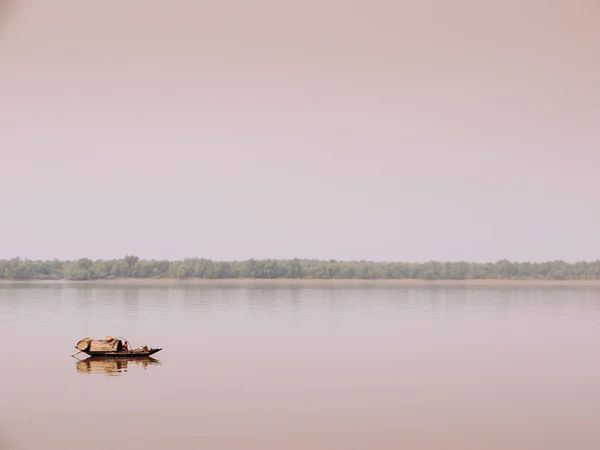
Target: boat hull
124, 354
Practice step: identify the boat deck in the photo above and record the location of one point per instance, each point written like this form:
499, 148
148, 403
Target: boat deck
125, 354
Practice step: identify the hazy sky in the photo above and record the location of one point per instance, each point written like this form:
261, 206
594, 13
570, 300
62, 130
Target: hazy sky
387, 130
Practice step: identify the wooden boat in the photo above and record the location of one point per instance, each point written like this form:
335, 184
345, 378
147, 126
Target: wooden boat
124, 354
114, 348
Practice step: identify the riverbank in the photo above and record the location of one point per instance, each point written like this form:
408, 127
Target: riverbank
304, 282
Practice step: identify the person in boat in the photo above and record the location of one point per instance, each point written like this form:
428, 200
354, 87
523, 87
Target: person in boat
124, 347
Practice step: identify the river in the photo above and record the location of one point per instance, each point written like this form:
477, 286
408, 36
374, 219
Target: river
302, 367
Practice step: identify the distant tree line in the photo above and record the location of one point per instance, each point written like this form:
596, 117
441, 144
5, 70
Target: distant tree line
132, 267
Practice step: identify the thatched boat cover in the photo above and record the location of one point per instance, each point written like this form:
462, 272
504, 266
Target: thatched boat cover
103, 346
84, 343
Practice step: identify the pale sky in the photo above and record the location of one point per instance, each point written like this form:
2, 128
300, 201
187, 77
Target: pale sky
380, 130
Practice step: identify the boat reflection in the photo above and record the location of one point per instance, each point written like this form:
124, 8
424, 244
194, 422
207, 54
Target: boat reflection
113, 366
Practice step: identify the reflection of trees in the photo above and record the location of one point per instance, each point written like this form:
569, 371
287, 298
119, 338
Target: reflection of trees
131, 299
113, 366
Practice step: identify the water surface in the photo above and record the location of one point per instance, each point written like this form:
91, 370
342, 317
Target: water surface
285, 367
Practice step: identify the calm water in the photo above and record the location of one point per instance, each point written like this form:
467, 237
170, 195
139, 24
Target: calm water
289, 368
